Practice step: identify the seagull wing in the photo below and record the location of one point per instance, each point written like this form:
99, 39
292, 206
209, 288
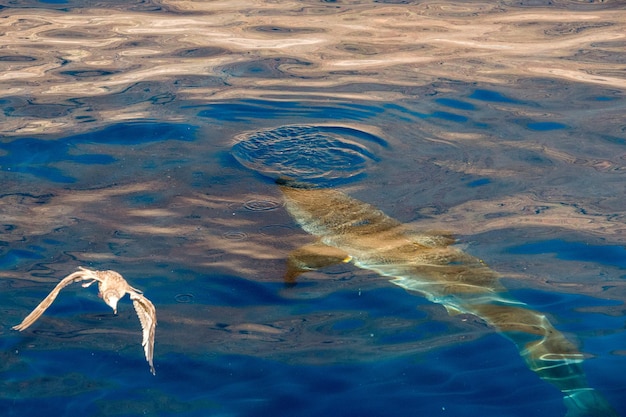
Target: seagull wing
82, 275
147, 317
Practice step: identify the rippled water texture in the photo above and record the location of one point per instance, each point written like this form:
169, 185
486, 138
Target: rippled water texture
315, 155
501, 122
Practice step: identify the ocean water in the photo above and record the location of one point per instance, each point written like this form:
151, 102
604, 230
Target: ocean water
145, 137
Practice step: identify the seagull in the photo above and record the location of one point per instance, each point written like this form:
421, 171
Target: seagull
112, 287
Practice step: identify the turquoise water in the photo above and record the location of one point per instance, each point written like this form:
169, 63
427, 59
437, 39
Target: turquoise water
142, 148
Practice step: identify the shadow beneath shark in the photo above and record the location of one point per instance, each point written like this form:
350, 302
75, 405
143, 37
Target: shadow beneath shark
349, 230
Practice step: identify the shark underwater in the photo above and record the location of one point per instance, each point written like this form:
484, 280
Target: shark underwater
428, 263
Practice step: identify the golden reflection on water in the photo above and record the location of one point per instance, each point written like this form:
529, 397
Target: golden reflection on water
199, 51
101, 65
72, 71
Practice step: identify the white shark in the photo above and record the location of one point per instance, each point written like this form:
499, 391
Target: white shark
351, 230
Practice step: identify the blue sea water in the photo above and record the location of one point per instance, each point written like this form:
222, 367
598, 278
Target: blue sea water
605, 254
37, 157
77, 377
248, 386
178, 194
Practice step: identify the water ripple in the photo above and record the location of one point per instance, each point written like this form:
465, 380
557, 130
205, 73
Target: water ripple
261, 205
184, 298
235, 235
319, 155
247, 109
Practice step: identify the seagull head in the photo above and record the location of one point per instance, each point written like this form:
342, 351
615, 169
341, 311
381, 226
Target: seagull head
111, 297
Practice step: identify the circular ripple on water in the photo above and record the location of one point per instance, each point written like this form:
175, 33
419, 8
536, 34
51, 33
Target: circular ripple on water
184, 298
235, 235
275, 230
261, 205
317, 155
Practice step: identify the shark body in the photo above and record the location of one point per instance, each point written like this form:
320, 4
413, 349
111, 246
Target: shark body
351, 230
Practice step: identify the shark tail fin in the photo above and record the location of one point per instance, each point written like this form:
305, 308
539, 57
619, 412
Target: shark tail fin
587, 402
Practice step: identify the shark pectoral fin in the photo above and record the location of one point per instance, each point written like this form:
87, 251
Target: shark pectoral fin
452, 310
311, 257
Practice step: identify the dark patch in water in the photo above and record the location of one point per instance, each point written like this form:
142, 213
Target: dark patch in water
492, 96
32, 155
449, 116
264, 68
567, 28
545, 126
143, 199
614, 139
248, 110
532, 157
283, 29
202, 52
455, 104
136, 134
72, 34
14, 256
478, 183
575, 251
17, 58
88, 73
18, 107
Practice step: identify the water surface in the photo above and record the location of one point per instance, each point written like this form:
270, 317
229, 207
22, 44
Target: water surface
501, 122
